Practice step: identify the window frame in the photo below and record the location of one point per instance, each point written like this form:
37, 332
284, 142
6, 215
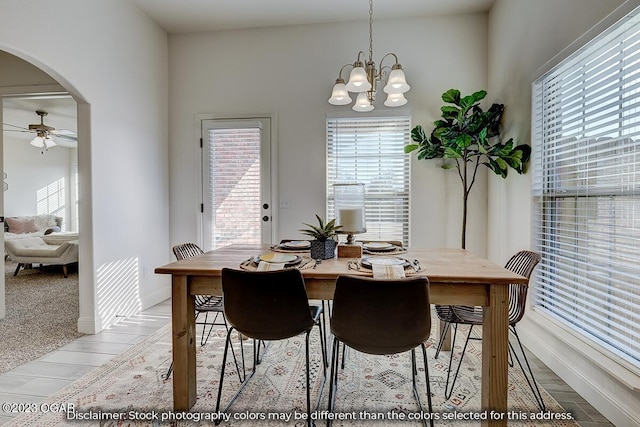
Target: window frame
340, 123
548, 189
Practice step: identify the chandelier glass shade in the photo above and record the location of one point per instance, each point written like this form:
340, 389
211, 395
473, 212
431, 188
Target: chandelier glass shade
364, 78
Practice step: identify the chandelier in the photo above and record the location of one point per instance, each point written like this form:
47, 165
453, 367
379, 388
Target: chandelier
364, 77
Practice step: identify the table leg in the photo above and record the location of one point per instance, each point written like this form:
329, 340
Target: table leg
495, 339
447, 343
184, 348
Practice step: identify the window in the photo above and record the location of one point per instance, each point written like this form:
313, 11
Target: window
236, 182
586, 192
371, 151
51, 198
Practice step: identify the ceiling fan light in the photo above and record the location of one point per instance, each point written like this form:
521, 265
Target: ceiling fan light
395, 100
358, 81
362, 104
49, 142
37, 142
340, 95
396, 83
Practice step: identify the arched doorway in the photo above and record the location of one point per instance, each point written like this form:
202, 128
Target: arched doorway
24, 86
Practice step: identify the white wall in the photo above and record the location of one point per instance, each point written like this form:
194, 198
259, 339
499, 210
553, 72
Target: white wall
113, 60
289, 72
29, 171
523, 36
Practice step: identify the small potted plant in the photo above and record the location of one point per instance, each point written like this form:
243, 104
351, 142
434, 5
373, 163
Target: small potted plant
324, 244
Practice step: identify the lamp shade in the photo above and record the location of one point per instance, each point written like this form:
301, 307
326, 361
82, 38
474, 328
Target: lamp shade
396, 83
49, 142
395, 100
358, 81
37, 142
362, 104
340, 95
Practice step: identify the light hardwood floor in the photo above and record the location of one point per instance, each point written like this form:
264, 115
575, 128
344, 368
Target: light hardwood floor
36, 380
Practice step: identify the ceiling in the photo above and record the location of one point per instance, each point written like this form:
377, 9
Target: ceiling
21, 111
187, 16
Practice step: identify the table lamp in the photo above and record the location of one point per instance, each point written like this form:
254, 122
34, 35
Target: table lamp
350, 215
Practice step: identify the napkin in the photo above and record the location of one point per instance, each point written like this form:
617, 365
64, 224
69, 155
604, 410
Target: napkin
270, 266
387, 271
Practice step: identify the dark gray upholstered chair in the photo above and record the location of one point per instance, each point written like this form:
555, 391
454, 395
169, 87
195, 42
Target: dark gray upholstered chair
268, 306
523, 264
357, 322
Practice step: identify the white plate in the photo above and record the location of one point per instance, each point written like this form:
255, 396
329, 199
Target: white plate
278, 257
378, 246
384, 260
297, 244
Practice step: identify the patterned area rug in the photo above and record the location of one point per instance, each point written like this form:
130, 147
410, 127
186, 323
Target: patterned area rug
42, 313
370, 387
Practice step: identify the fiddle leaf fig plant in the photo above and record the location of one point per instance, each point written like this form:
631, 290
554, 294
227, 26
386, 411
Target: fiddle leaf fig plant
467, 137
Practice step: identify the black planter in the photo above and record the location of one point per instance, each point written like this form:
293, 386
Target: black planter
323, 249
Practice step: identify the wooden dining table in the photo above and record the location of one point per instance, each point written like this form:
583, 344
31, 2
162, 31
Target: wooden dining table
456, 276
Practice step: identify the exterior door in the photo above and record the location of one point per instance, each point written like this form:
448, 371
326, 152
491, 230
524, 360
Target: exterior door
236, 165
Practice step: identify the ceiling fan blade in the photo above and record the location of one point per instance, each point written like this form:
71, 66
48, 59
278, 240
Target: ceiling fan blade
16, 128
69, 137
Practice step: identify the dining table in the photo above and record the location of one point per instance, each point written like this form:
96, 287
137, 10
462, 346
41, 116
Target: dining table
456, 277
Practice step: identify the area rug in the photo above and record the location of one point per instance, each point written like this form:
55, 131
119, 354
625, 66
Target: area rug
42, 313
373, 390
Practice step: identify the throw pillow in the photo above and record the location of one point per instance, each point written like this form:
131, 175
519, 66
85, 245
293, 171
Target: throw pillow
54, 229
20, 226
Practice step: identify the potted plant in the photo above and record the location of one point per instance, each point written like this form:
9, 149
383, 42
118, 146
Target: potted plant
466, 138
324, 244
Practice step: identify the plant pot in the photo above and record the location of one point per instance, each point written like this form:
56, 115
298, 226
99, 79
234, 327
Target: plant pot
323, 249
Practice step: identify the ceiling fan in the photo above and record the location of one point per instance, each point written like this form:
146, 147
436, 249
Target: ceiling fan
43, 139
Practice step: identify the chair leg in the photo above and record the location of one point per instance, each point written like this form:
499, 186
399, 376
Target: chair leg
449, 391
333, 377
306, 353
443, 336
242, 385
530, 379
20, 265
205, 335
414, 374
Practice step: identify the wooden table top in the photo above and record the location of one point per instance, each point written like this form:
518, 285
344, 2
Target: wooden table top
439, 265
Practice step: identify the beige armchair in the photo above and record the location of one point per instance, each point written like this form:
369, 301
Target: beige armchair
34, 250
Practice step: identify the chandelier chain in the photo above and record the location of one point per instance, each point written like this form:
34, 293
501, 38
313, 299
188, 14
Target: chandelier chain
370, 30
364, 77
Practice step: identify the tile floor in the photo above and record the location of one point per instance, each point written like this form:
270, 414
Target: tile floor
34, 381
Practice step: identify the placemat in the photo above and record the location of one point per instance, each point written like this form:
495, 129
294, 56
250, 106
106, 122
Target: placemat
251, 264
356, 267
394, 251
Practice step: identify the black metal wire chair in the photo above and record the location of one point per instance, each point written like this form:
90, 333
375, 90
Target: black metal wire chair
207, 304
523, 264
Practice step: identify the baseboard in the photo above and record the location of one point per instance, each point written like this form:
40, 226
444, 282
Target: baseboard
590, 389
89, 325
152, 298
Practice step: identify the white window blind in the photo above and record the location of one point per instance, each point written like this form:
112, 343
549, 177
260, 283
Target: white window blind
586, 191
371, 151
232, 188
